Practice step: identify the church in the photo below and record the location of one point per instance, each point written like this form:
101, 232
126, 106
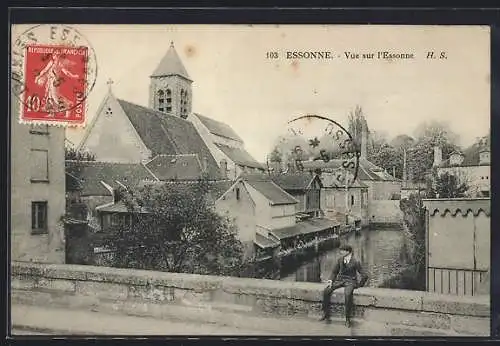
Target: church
167, 131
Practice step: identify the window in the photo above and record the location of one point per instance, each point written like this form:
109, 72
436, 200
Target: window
352, 200
38, 217
39, 165
39, 129
184, 96
169, 100
238, 193
161, 100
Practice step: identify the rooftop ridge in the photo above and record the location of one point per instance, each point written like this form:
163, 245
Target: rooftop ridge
157, 113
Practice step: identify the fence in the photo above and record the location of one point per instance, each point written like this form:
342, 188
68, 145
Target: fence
455, 281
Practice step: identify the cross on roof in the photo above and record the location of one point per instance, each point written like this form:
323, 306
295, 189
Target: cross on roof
109, 83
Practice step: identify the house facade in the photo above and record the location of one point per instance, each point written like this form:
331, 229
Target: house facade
270, 217
336, 201
37, 191
472, 167
304, 187
458, 226
93, 185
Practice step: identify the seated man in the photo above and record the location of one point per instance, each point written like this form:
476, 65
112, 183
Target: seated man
344, 274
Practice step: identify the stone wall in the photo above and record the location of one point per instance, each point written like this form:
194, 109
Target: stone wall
385, 212
183, 296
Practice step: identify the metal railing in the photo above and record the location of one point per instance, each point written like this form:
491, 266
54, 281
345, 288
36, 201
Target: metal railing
454, 281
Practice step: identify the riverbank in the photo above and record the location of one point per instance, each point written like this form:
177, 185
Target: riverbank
382, 252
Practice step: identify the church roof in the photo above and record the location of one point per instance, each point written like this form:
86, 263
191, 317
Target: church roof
90, 174
219, 128
239, 156
176, 167
168, 135
170, 65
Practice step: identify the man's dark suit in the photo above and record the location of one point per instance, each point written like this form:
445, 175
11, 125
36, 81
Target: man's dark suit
344, 275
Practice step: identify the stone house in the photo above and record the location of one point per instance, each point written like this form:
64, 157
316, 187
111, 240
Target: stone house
472, 167
304, 187
458, 238
266, 215
93, 185
37, 191
338, 203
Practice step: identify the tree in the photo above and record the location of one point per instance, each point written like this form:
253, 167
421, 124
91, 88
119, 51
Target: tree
414, 222
175, 229
447, 185
356, 122
420, 156
276, 156
71, 153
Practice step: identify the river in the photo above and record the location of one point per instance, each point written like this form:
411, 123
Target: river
383, 253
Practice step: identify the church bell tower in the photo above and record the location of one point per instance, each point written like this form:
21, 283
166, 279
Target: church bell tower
170, 88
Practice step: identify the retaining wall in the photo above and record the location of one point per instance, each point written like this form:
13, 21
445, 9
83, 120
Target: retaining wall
168, 295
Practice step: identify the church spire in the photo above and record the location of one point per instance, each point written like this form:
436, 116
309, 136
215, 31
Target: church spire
171, 65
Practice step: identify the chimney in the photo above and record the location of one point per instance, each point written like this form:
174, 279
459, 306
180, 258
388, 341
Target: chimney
364, 140
223, 168
438, 156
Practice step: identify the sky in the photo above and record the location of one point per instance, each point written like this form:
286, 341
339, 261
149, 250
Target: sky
235, 83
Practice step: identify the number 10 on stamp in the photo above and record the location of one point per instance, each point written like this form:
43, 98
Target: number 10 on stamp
55, 84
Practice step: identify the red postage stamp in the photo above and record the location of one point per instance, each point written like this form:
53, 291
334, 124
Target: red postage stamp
55, 84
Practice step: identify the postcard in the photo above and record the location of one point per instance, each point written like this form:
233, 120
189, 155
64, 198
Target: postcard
285, 180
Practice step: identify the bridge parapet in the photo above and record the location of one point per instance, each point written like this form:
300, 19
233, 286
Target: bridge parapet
165, 295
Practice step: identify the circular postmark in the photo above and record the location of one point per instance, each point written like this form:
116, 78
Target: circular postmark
318, 144
53, 70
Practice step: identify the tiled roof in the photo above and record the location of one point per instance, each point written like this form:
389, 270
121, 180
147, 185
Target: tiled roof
264, 242
219, 128
293, 181
72, 183
239, 156
168, 134
216, 189
118, 207
173, 167
171, 64
91, 173
458, 206
366, 169
263, 184
305, 227
273, 192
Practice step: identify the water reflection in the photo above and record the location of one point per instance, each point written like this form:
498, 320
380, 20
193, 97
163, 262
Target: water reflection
383, 253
